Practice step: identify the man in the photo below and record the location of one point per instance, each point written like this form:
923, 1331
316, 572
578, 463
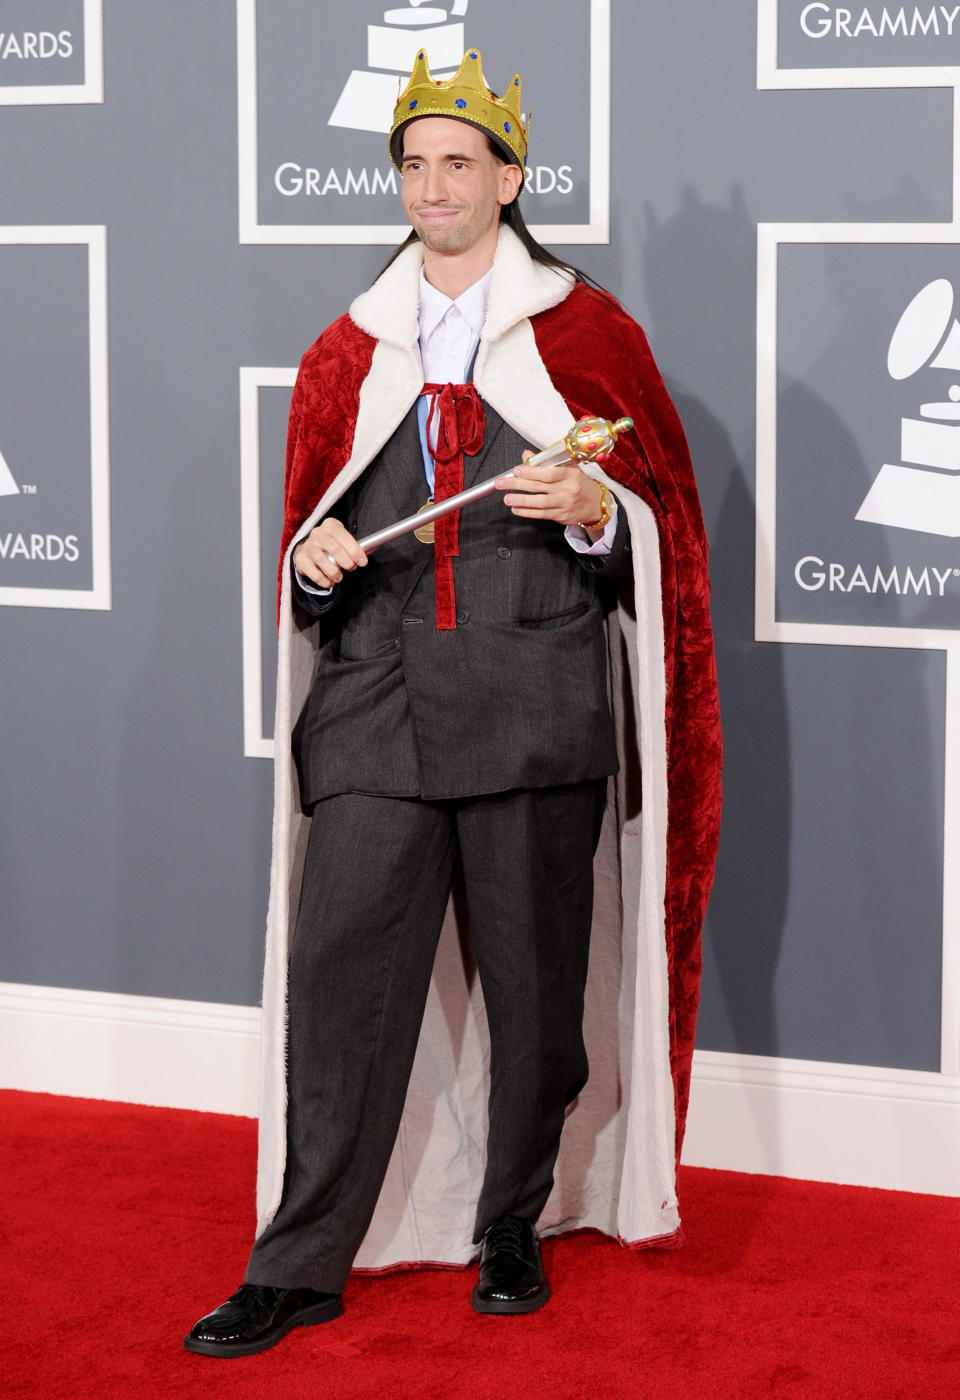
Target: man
454, 700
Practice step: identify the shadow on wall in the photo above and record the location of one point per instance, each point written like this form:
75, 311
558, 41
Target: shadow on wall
699, 273
813, 874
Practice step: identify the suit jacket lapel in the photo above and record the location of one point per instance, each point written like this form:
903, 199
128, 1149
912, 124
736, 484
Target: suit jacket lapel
472, 465
408, 488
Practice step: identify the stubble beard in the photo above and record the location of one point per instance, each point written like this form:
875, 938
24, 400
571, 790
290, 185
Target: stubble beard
449, 240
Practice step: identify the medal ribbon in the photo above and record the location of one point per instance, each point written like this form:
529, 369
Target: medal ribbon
461, 422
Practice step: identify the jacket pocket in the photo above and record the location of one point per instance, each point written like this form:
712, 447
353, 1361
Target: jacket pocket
552, 620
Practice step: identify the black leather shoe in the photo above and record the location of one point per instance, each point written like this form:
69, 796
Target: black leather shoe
511, 1269
256, 1317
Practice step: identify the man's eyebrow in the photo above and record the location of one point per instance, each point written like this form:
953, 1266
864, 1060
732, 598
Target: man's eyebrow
452, 155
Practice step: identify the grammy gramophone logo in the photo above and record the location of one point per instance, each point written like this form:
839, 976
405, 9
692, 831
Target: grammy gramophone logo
8, 487
370, 95
922, 492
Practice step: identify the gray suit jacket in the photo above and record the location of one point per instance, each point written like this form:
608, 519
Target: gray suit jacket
514, 697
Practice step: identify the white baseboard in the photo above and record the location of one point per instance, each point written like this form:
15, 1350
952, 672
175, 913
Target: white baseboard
896, 1129
98, 1045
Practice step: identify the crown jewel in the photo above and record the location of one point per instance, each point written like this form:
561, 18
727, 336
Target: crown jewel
466, 97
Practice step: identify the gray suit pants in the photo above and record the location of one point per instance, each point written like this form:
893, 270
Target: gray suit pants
378, 874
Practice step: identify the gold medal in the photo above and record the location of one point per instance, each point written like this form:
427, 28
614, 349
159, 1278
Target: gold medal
424, 533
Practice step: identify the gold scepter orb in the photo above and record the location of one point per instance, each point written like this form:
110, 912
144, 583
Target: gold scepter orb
590, 439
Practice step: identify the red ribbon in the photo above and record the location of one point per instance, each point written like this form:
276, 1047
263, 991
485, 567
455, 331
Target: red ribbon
461, 422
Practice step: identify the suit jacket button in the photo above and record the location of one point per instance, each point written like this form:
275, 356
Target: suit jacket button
463, 617
504, 552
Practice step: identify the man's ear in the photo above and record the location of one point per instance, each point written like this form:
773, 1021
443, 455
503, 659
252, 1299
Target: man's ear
511, 178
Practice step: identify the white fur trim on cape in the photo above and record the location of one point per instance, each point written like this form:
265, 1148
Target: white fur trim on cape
616, 1167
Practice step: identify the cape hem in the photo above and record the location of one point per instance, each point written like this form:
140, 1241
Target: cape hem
675, 1240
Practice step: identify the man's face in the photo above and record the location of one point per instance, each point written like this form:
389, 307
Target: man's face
453, 185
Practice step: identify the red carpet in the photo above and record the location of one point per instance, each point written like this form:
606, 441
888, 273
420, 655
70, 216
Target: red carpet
121, 1225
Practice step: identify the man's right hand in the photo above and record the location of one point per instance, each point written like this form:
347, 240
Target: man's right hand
328, 550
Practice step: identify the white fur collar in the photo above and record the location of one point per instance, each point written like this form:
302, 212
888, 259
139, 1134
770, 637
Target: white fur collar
520, 288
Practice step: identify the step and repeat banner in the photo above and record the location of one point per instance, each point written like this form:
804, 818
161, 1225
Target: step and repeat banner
51, 51
193, 192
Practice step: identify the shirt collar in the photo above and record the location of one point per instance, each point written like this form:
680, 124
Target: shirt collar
472, 305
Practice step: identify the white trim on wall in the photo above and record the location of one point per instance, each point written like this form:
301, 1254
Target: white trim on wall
58, 94
253, 378
770, 238
597, 230
855, 1124
865, 1126
152, 1050
768, 628
771, 77
94, 237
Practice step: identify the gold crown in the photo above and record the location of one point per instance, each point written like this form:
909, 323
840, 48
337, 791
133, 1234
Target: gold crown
466, 97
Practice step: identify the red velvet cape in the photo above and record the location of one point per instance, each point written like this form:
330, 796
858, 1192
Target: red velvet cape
598, 359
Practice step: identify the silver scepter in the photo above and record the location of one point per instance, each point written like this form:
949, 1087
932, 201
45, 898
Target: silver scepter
589, 440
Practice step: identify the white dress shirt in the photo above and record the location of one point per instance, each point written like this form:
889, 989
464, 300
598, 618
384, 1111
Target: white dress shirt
450, 330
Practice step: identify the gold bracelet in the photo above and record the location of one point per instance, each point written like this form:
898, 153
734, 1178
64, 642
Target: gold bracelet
606, 511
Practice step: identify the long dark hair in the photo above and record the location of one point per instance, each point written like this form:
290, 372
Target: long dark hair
512, 216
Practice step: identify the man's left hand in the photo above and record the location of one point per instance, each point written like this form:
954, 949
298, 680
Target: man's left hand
562, 494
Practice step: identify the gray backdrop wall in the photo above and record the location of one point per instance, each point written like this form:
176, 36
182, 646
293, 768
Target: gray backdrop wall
134, 800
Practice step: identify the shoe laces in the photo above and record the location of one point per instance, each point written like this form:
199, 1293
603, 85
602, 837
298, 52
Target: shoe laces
509, 1233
